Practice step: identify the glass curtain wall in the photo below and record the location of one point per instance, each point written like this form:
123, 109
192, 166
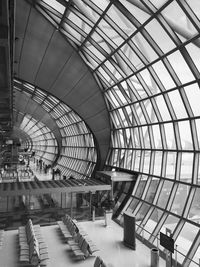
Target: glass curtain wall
43, 140
145, 56
78, 154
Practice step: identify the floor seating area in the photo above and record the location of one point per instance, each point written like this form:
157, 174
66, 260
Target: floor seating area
108, 239
78, 240
32, 249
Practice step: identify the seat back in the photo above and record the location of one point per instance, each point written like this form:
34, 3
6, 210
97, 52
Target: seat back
97, 262
29, 233
84, 248
34, 254
81, 240
77, 237
72, 228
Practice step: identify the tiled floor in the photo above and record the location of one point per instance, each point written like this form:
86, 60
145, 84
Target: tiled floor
108, 239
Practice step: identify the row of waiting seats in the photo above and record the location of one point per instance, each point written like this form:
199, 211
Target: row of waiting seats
26, 178
79, 247
1, 237
78, 240
9, 174
32, 248
25, 175
8, 179
99, 262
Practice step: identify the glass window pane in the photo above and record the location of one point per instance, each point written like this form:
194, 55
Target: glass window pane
185, 135
145, 48
152, 222
164, 194
180, 198
185, 239
142, 212
133, 205
198, 174
195, 6
170, 223
138, 87
162, 39
177, 104
158, 4
193, 95
135, 11
121, 20
186, 167
157, 136
180, 67
164, 75
152, 87
177, 15
194, 214
157, 163
140, 113
145, 136
197, 122
128, 55
141, 186
196, 258
170, 137
194, 51
163, 108
171, 165
152, 190
150, 111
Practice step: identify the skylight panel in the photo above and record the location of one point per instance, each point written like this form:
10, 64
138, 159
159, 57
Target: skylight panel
79, 22
147, 49
157, 3
53, 99
74, 32
162, 39
129, 59
195, 6
174, 14
163, 75
37, 99
121, 20
181, 67
193, 94
39, 92
101, 4
56, 5
86, 10
29, 86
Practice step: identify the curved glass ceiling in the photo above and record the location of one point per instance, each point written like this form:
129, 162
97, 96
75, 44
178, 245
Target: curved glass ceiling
77, 154
43, 141
145, 56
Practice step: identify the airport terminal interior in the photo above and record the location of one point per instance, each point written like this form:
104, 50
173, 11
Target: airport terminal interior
100, 133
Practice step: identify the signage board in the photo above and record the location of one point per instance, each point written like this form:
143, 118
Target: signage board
167, 242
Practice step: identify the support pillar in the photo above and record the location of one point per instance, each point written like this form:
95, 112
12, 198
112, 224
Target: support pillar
71, 210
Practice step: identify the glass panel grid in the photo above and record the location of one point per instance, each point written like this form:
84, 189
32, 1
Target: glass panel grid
145, 55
